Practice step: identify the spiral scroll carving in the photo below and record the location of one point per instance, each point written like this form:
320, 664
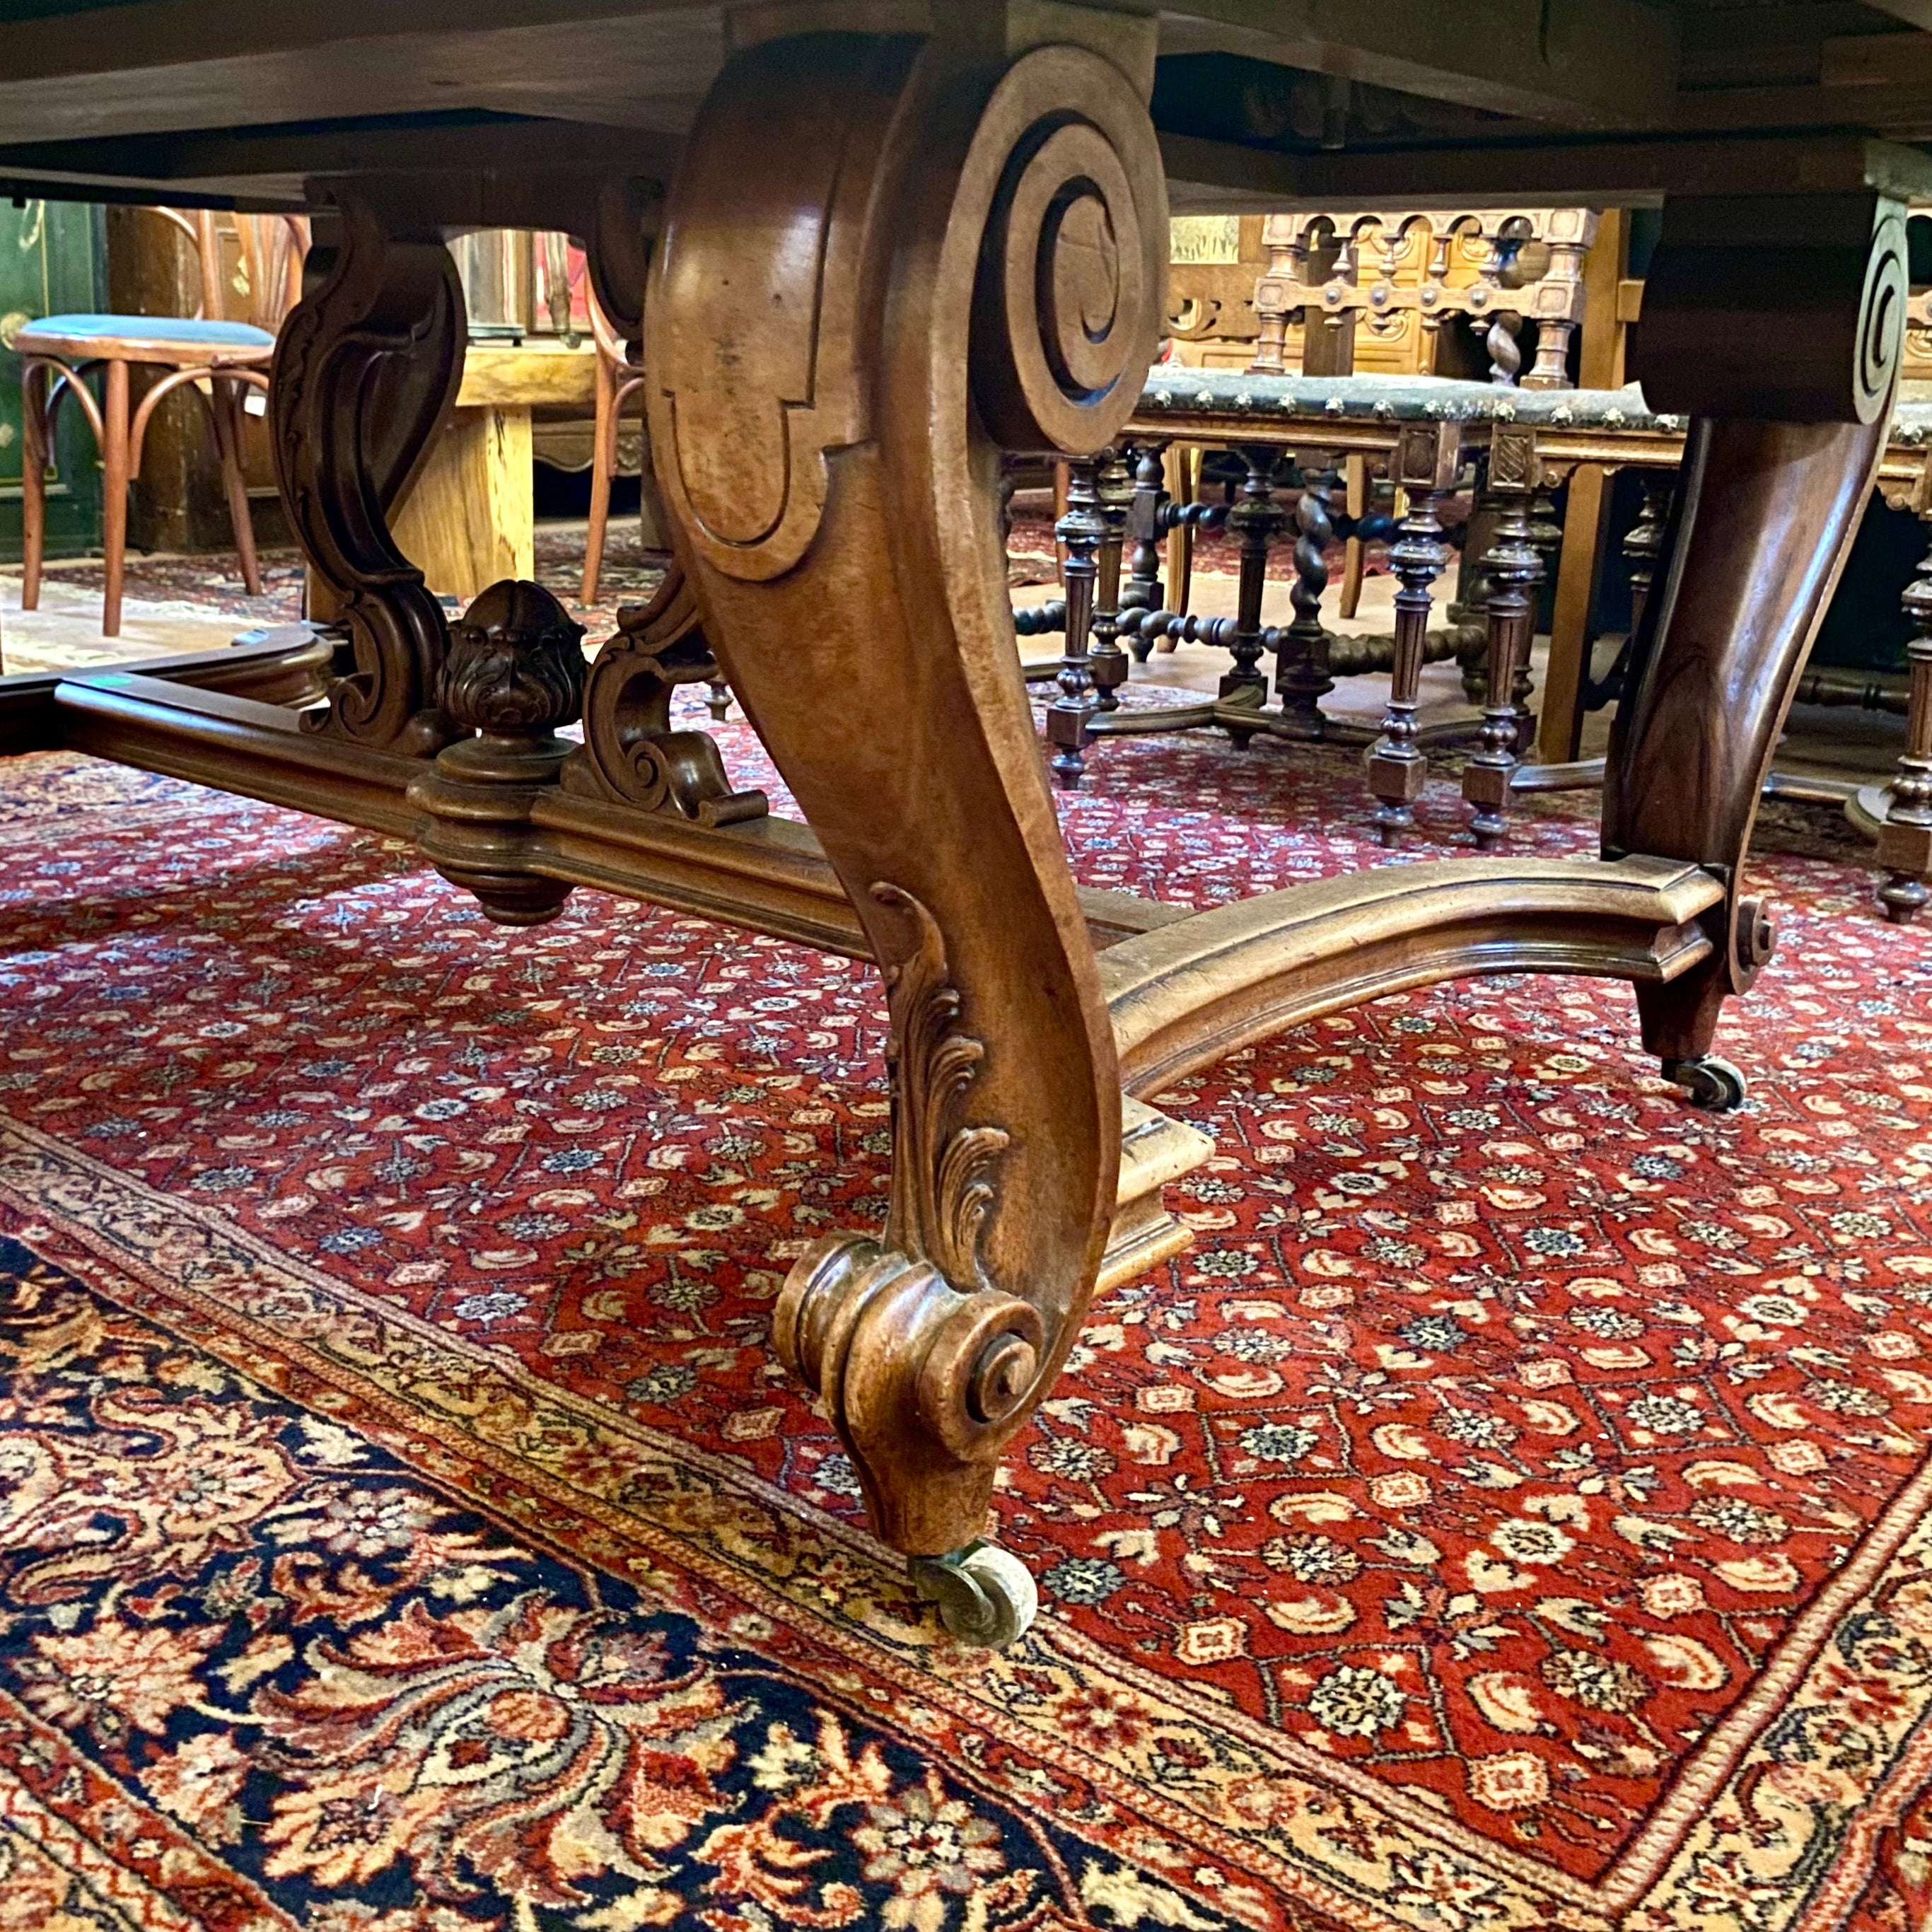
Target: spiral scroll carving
1070, 292
1881, 332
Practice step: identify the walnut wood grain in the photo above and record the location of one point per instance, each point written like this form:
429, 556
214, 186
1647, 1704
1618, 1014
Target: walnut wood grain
1798, 386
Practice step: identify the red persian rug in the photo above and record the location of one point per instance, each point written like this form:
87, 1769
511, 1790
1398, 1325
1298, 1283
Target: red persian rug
1511, 1513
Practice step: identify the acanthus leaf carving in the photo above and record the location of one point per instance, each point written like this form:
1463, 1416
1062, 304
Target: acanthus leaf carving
942, 1193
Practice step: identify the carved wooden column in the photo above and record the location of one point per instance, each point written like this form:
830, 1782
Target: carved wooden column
1106, 660
1080, 532
1425, 464
366, 365
1514, 569
1301, 674
934, 255
1905, 838
1777, 323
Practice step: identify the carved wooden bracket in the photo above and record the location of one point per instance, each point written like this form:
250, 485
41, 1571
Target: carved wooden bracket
366, 366
630, 753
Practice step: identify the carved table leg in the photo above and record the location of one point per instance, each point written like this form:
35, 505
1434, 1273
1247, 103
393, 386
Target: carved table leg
1301, 677
1514, 569
1905, 838
1778, 465
1425, 466
366, 366
933, 260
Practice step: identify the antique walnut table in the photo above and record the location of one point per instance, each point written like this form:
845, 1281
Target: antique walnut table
886, 241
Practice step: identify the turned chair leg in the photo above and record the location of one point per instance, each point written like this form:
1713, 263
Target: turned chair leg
1905, 838
225, 409
33, 440
1514, 568
603, 462
1107, 662
1255, 521
1302, 680
1426, 463
1146, 513
1081, 531
114, 492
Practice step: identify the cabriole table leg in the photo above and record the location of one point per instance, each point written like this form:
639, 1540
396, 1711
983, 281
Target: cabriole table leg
935, 260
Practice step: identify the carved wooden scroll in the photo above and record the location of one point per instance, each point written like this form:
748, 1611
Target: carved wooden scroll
928, 259
365, 366
631, 754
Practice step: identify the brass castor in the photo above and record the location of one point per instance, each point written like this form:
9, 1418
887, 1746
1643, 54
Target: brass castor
985, 1594
1708, 1082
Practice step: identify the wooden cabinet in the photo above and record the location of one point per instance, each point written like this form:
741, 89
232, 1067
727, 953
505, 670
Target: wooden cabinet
51, 262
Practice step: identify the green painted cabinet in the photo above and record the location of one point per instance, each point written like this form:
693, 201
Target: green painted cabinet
51, 262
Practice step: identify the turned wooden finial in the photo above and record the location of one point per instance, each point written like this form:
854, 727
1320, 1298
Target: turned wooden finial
513, 674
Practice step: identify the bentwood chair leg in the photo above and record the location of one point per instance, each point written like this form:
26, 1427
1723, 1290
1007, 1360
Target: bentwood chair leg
33, 480
114, 491
224, 406
603, 461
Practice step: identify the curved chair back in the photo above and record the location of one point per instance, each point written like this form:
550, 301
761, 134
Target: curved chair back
270, 282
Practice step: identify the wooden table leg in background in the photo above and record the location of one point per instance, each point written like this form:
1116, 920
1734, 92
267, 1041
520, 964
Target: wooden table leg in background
1779, 459
470, 518
1586, 524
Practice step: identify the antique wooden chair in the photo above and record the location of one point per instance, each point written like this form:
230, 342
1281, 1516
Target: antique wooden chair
618, 380
218, 358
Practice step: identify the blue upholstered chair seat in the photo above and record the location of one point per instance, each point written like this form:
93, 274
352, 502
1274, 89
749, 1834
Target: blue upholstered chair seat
73, 332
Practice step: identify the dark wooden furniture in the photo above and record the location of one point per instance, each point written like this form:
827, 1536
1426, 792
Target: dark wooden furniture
218, 358
1429, 438
943, 235
618, 385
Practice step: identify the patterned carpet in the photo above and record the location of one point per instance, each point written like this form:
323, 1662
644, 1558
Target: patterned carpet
630, 574
1511, 1513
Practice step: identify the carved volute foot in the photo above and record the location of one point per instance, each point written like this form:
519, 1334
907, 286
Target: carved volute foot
513, 674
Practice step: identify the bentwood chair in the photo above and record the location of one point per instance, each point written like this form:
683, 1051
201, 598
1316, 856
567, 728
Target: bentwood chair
618, 379
218, 358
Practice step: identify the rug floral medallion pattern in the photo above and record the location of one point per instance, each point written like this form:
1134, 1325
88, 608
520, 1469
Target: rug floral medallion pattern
1512, 1512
